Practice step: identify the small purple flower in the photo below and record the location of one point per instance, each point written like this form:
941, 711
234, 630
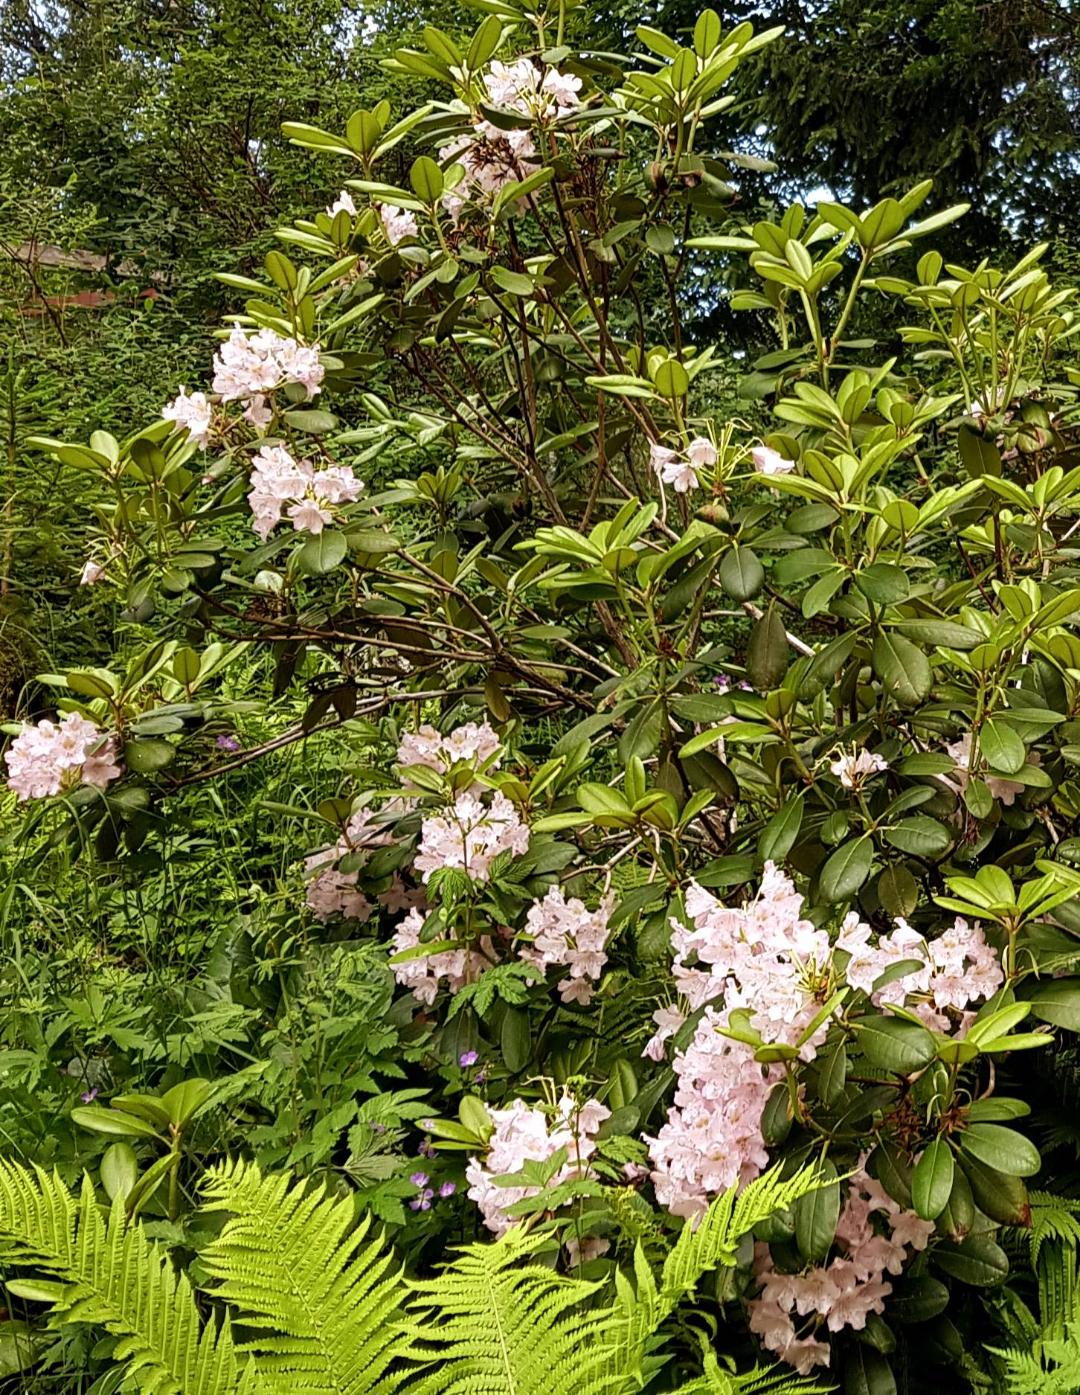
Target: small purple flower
228, 743
378, 1128
426, 1149
481, 1076
468, 1058
423, 1201
89, 1095
722, 680
448, 1189
419, 1179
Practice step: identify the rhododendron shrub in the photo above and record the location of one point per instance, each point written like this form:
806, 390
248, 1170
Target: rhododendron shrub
707, 780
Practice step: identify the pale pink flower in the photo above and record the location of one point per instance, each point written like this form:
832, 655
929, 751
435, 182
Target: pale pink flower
770, 462
92, 573
474, 741
342, 204
701, 453
425, 973
565, 933
398, 223
1001, 788
522, 1133
470, 835
50, 757
284, 487
852, 769
193, 413
247, 367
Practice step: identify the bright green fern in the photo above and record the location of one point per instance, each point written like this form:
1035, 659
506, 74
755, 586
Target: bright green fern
109, 1274
332, 1315
293, 1262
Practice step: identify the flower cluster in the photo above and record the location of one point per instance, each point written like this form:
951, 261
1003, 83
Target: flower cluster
958, 968
491, 158
764, 957
774, 965
282, 486
844, 1292
246, 368
52, 756
425, 1194
424, 974
475, 741
565, 933
470, 835
712, 1139
522, 87
193, 412
522, 1134
680, 468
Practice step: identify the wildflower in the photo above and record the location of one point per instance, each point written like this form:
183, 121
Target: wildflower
468, 1058
419, 1179
672, 469
92, 573
424, 974
227, 743
475, 741
447, 1189
701, 453
88, 1096
423, 1201
999, 787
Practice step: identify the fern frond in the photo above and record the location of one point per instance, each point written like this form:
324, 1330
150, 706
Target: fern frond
761, 1381
294, 1262
109, 1274
642, 1306
495, 1325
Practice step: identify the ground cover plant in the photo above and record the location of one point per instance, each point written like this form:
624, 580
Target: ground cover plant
564, 871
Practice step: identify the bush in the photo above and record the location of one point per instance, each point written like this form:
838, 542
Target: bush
696, 801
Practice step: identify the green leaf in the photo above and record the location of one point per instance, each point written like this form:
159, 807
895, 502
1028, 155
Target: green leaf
883, 583
894, 1044
671, 378
119, 1170
113, 1121
515, 1039
816, 1216
322, 553
932, 1180
426, 179
1057, 1002
311, 421
148, 755
903, 668
767, 651
741, 574
846, 870
1004, 1149
919, 835
513, 282
779, 834
917, 1298
867, 1372
1002, 747
977, 1261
